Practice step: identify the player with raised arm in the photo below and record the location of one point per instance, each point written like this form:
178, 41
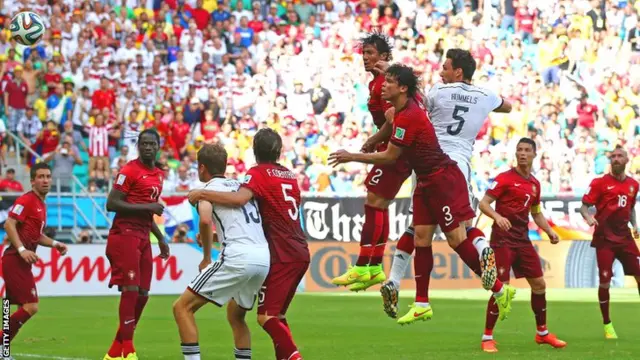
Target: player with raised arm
276, 189
383, 181
134, 199
237, 276
441, 194
516, 193
614, 196
24, 226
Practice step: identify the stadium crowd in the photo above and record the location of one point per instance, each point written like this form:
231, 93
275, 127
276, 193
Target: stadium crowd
216, 71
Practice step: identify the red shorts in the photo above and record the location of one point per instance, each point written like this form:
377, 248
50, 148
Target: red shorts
280, 287
18, 280
524, 261
442, 199
131, 261
386, 180
628, 255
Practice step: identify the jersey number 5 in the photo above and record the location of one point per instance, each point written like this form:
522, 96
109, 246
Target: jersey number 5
458, 111
293, 213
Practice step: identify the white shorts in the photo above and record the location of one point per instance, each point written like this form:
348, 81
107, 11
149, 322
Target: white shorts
222, 281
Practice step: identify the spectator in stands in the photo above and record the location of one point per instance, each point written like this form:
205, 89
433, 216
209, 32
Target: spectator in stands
10, 184
28, 127
64, 159
15, 101
180, 236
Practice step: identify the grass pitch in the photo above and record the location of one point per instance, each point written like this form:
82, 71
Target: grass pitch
345, 326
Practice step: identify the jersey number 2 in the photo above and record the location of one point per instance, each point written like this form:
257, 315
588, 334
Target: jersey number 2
458, 111
293, 213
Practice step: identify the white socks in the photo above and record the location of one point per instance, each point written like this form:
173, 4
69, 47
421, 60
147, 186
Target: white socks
401, 261
480, 243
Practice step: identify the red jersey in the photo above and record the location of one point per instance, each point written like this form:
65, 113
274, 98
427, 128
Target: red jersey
278, 195
376, 104
17, 94
10, 185
103, 99
614, 201
179, 134
516, 196
31, 213
413, 131
142, 186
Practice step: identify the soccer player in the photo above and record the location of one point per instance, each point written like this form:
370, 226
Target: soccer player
383, 182
276, 189
27, 219
457, 110
243, 265
614, 196
441, 194
516, 193
134, 199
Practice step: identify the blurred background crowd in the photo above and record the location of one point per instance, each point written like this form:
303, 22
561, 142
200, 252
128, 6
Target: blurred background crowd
214, 71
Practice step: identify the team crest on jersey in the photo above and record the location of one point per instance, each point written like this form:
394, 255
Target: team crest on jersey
631, 189
160, 178
534, 188
399, 133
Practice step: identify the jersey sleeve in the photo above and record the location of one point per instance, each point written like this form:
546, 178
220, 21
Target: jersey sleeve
495, 100
125, 179
252, 181
404, 130
535, 206
593, 193
498, 187
431, 98
19, 210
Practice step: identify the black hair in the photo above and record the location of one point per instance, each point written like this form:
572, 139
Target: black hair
39, 166
214, 158
526, 140
379, 41
149, 131
405, 76
462, 59
267, 146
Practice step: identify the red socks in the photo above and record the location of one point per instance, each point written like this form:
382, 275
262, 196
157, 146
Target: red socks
603, 297
422, 266
539, 307
469, 256
372, 231
381, 242
16, 321
281, 336
492, 316
140, 304
406, 243
116, 347
127, 313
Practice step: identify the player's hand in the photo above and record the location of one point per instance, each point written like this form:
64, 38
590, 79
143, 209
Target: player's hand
503, 223
62, 248
553, 237
204, 263
381, 67
369, 146
29, 256
156, 208
591, 221
195, 196
165, 251
339, 157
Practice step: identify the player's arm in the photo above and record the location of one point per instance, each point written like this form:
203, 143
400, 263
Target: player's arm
10, 226
485, 207
383, 134
162, 242
389, 156
505, 107
51, 243
541, 221
205, 227
229, 199
588, 200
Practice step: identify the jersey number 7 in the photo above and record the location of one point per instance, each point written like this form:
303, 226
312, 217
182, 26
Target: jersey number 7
458, 111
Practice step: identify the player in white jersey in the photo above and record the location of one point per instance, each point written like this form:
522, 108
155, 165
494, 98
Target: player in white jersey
457, 109
237, 276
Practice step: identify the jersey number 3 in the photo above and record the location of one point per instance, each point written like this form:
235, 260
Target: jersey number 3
458, 111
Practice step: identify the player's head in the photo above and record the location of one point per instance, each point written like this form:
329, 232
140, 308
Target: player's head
267, 146
41, 178
212, 161
458, 66
148, 145
400, 80
375, 47
619, 160
525, 152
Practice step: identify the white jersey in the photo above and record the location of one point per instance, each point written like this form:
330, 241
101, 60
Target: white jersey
239, 229
457, 112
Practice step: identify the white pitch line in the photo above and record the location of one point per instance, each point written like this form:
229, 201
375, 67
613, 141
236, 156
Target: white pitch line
36, 356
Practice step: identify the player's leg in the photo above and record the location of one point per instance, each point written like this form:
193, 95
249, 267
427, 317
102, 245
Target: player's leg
184, 310
401, 260
605, 257
504, 259
20, 289
241, 333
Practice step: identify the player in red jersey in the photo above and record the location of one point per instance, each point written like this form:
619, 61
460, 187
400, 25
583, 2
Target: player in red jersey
276, 190
134, 199
517, 193
27, 219
441, 196
384, 180
614, 196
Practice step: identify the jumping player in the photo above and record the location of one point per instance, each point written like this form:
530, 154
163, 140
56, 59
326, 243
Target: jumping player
276, 189
237, 276
134, 199
383, 181
441, 194
27, 218
457, 110
517, 193
614, 196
